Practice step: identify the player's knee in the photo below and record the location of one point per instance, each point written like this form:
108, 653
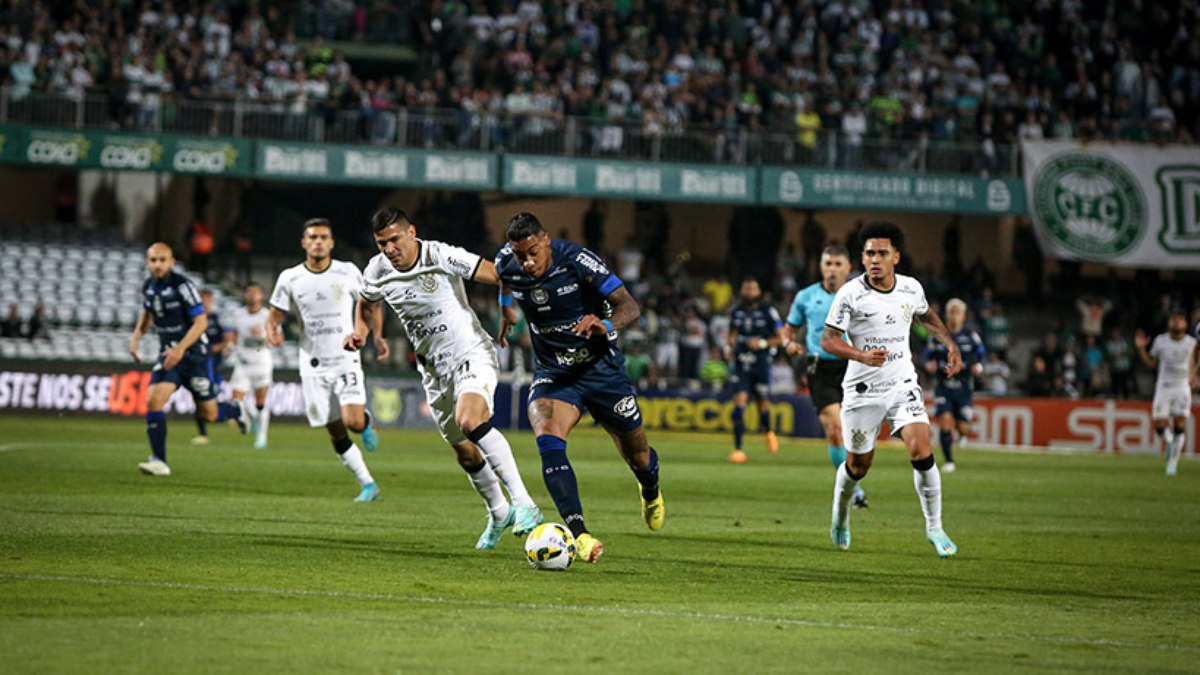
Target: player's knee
474, 427
1180, 427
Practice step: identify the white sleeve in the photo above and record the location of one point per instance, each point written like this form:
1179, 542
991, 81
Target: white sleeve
922, 307
281, 297
453, 260
371, 291
841, 310
1156, 346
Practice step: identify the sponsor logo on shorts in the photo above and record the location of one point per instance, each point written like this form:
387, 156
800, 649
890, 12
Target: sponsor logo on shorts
540, 381
626, 407
201, 385
858, 439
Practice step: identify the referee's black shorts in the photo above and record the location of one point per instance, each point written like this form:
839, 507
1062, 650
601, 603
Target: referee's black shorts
825, 383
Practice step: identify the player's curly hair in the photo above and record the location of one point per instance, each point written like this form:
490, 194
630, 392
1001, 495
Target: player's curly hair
882, 229
523, 225
387, 216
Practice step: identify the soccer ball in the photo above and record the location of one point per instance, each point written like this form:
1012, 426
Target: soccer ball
550, 547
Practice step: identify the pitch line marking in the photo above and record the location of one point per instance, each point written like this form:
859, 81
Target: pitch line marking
554, 607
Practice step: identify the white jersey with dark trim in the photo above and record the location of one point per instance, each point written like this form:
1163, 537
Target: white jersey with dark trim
1174, 360
251, 328
325, 302
875, 319
431, 302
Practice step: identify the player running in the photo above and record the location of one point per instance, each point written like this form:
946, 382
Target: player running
253, 364
422, 281
323, 292
825, 371
218, 341
876, 311
173, 305
575, 305
954, 394
1177, 357
755, 332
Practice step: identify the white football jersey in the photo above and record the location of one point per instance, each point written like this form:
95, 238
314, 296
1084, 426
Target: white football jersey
1174, 359
326, 303
251, 328
876, 320
431, 302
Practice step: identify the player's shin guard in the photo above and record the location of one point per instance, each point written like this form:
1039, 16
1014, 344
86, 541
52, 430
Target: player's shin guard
352, 458
560, 481
485, 482
264, 421
837, 455
499, 456
648, 477
928, 481
227, 411
156, 429
947, 439
739, 425
843, 489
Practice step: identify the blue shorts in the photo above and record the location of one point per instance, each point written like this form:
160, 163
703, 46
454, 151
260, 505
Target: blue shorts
755, 378
194, 372
957, 401
603, 389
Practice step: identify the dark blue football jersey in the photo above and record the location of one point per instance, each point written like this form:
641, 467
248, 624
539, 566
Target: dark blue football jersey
215, 334
174, 303
751, 322
971, 347
575, 285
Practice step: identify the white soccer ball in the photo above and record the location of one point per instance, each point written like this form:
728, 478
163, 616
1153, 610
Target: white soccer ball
550, 547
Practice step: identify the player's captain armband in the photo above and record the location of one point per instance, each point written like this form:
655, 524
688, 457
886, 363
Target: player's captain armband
505, 299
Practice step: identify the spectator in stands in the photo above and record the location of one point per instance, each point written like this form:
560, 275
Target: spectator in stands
639, 366
1119, 353
996, 329
719, 293
200, 244
1040, 381
593, 227
692, 344
995, 374
38, 329
629, 261
1090, 365
715, 371
1092, 310
12, 325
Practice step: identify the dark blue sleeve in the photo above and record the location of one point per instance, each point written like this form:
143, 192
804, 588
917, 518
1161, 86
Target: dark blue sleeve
593, 269
190, 298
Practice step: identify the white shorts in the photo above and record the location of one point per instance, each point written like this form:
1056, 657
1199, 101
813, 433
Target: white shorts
1169, 402
476, 374
862, 416
326, 393
247, 377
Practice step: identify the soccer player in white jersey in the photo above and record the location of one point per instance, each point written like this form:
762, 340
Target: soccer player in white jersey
876, 311
1177, 356
422, 281
323, 292
252, 361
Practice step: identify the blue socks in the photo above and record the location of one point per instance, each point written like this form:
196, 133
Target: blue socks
648, 477
156, 429
560, 481
948, 445
226, 411
201, 425
739, 425
764, 421
837, 455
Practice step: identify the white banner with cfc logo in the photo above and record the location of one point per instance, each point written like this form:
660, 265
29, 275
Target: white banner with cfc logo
1127, 205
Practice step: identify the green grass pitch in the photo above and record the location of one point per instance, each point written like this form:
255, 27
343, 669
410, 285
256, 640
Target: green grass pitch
257, 561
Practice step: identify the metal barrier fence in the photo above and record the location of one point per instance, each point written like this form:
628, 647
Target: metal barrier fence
528, 133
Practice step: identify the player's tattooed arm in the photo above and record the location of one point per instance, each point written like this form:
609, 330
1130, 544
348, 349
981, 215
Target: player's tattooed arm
139, 329
625, 311
832, 342
937, 329
274, 330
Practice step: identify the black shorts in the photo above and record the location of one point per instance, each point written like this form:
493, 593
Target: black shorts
825, 383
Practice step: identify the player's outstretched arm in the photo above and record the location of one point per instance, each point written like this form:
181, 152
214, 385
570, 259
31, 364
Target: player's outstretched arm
1141, 341
832, 342
486, 273
139, 329
938, 330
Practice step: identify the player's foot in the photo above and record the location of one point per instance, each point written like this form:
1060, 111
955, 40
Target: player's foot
369, 437
737, 457
525, 518
859, 500
941, 543
260, 445
588, 548
370, 493
154, 467
948, 467
243, 419
653, 511
1172, 469
840, 536
772, 443
200, 440
493, 531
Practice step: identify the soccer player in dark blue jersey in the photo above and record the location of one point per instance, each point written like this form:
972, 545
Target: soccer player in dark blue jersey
172, 305
825, 371
954, 394
218, 339
755, 332
575, 305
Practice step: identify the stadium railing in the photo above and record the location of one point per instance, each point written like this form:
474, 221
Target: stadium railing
527, 132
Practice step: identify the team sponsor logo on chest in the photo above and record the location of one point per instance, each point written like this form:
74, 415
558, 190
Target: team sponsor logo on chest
566, 290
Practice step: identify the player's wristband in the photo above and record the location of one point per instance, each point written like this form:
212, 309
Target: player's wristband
607, 325
505, 299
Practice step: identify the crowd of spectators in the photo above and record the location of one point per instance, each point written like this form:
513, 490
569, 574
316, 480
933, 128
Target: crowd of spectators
868, 73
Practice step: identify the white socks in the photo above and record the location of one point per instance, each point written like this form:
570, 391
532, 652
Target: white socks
929, 489
264, 421
498, 454
487, 485
353, 460
1175, 448
843, 489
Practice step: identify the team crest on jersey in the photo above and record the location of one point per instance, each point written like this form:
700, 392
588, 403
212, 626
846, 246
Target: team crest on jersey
626, 407
539, 296
339, 292
858, 439
429, 282
908, 312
